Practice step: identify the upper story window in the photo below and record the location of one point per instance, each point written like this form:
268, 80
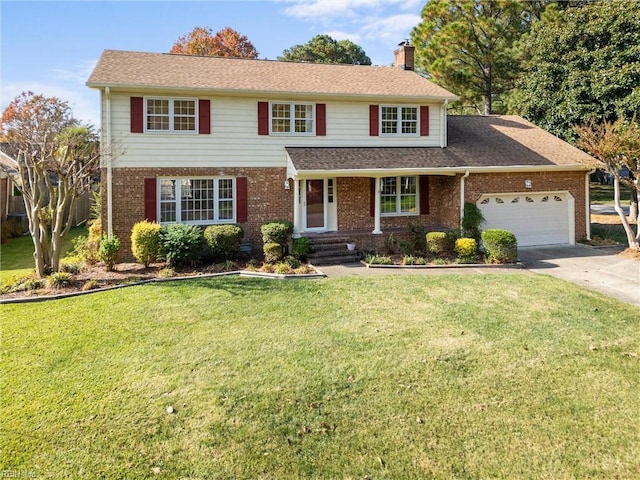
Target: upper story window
292, 118
399, 196
170, 115
398, 120
197, 200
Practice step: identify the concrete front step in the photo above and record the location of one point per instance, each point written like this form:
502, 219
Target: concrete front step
331, 250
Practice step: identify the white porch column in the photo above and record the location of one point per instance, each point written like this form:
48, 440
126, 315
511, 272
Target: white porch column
296, 209
376, 225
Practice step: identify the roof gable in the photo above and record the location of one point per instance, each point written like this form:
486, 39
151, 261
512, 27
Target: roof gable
160, 70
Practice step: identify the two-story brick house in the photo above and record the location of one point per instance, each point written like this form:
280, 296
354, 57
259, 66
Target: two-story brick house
362, 150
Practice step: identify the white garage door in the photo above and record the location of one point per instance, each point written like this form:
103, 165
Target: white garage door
534, 218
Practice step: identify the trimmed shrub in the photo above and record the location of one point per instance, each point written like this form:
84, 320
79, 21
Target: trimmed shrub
272, 252
466, 247
471, 220
108, 252
301, 248
501, 246
145, 242
95, 229
278, 231
86, 248
224, 241
181, 244
437, 243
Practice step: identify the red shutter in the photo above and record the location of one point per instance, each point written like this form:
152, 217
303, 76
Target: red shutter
424, 121
137, 114
372, 198
424, 194
204, 117
150, 199
241, 200
373, 120
263, 118
321, 119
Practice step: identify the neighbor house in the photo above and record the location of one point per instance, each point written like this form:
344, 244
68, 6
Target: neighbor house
361, 150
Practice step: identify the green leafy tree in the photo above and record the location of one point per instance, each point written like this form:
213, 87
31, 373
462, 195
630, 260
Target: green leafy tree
225, 43
581, 65
616, 145
466, 46
324, 49
56, 158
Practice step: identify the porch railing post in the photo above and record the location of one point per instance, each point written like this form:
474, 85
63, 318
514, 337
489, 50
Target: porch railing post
376, 225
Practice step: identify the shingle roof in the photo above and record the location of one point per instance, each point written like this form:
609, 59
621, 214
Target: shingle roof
474, 141
157, 70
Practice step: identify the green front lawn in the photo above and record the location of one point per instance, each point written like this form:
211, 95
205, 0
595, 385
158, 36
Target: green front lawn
457, 376
603, 194
16, 256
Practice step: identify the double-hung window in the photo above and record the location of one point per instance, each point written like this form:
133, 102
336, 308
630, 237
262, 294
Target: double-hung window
398, 120
399, 196
292, 118
171, 115
197, 200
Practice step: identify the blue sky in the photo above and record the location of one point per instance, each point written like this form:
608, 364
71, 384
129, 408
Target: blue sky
51, 47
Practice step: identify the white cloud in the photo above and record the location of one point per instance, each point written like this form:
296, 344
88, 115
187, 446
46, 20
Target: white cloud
395, 28
334, 10
339, 35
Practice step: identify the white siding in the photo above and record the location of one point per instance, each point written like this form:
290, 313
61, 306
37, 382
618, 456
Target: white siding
234, 139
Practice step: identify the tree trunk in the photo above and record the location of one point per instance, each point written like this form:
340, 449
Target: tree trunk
631, 238
488, 107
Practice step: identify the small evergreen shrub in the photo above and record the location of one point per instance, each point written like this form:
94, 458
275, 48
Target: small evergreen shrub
301, 248
181, 244
108, 252
278, 231
466, 248
437, 243
452, 235
293, 262
59, 279
472, 218
224, 241
272, 252
501, 246
145, 242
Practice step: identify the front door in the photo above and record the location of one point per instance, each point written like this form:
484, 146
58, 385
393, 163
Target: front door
315, 218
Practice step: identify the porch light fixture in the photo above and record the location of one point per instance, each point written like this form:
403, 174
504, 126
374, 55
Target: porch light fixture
286, 184
528, 183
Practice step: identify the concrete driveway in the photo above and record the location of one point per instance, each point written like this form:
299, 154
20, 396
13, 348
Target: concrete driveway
595, 268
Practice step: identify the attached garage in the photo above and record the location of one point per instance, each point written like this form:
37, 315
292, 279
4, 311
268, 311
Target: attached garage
540, 218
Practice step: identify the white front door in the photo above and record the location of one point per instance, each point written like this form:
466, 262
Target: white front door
315, 206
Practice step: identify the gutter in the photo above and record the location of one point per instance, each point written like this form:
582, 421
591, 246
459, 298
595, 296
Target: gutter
107, 135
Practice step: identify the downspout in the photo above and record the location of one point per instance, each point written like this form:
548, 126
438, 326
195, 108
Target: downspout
443, 124
9, 189
587, 201
466, 174
107, 150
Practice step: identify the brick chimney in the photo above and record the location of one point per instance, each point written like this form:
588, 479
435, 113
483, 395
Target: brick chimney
404, 56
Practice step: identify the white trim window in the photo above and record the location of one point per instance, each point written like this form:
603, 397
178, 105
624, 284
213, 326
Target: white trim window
290, 118
178, 115
399, 196
399, 120
200, 201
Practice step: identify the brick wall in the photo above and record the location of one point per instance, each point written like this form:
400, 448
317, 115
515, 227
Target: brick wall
267, 198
